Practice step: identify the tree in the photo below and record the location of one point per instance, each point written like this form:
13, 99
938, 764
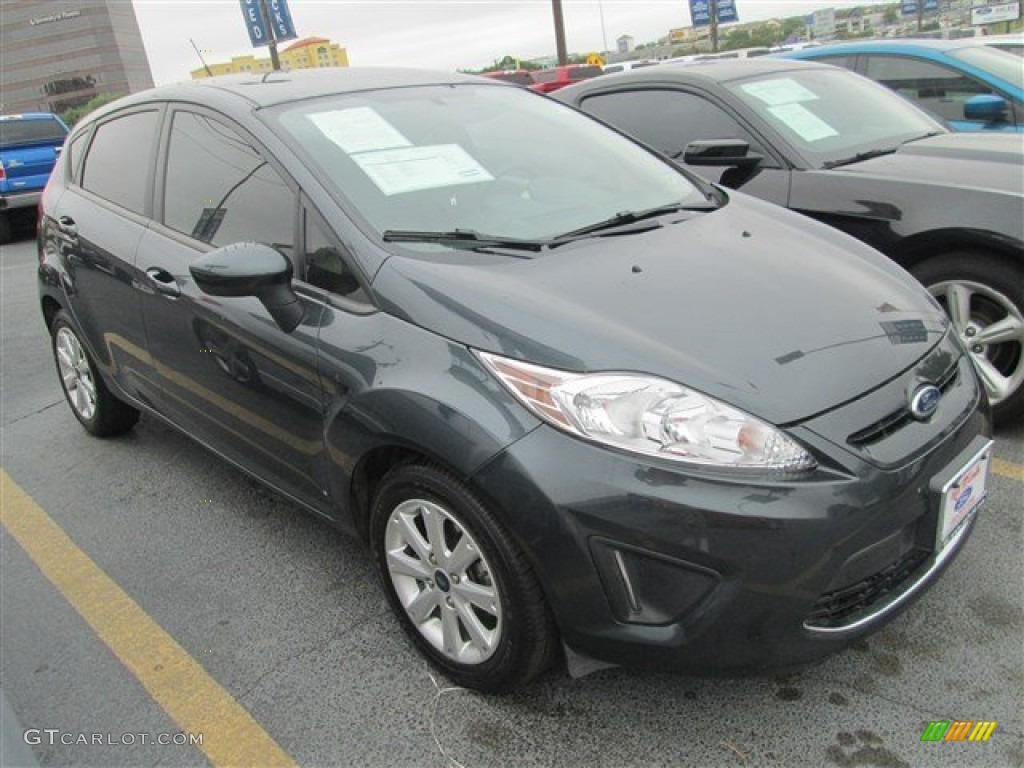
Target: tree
891, 15
72, 116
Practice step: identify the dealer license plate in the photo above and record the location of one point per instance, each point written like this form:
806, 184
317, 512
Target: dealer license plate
962, 495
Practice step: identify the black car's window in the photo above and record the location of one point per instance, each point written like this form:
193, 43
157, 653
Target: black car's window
939, 89
76, 150
324, 265
120, 157
681, 118
220, 190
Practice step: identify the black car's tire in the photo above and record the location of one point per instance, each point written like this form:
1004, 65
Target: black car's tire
458, 583
980, 290
102, 414
6, 231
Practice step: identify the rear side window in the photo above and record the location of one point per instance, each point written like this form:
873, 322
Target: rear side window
43, 130
120, 159
220, 190
76, 148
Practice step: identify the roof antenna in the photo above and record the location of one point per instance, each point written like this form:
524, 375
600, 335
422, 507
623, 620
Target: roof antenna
200, 55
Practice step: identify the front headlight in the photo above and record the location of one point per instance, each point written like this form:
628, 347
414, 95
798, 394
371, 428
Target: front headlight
651, 416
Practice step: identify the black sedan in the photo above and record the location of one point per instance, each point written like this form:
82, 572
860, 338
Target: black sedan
569, 394
836, 147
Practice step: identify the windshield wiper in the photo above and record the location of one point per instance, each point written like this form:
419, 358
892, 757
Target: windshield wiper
462, 238
630, 217
924, 136
866, 155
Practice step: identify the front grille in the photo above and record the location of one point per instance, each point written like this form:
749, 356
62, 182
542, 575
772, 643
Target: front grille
834, 608
895, 421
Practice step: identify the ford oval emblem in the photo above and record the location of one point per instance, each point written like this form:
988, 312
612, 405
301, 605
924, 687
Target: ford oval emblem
924, 401
964, 498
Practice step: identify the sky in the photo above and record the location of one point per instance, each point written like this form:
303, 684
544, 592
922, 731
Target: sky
427, 34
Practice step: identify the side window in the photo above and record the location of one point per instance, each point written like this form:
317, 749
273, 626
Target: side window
938, 89
76, 148
120, 158
681, 118
324, 266
220, 190
846, 62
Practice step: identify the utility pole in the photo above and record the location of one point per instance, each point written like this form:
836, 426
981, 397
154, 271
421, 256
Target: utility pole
275, 62
713, 16
604, 35
556, 9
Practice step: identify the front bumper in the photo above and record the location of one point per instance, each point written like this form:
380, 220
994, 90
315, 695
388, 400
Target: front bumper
645, 563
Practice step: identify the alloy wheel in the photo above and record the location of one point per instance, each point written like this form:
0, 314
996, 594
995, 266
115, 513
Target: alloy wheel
76, 374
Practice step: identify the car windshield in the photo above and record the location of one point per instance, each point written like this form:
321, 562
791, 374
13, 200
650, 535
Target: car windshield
833, 115
1000, 64
30, 131
483, 158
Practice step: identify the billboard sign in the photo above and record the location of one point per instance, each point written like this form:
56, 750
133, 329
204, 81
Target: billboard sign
700, 12
990, 14
277, 26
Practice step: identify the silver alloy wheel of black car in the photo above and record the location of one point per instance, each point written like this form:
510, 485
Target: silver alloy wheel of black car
991, 327
75, 373
443, 581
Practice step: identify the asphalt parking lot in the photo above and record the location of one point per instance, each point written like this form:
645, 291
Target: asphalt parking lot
282, 631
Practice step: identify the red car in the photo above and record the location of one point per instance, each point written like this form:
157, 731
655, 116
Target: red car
548, 80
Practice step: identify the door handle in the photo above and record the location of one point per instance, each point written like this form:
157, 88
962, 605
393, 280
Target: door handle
67, 227
163, 281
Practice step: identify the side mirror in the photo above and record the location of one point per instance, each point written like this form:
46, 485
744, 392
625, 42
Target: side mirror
733, 153
251, 269
986, 107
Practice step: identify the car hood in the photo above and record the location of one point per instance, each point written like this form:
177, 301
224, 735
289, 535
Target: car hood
752, 304
975, 160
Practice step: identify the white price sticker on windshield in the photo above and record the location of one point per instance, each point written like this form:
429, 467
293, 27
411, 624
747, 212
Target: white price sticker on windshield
411, 169
783, 90
359, 129
804, 123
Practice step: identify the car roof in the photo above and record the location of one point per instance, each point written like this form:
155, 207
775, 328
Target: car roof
720, 70
908, 45
266, 90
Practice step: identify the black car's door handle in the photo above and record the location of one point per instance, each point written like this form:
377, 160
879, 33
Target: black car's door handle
67, 227
163, 281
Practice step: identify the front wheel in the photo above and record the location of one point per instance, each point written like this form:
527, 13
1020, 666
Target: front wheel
460, 586
984, 298
94, 406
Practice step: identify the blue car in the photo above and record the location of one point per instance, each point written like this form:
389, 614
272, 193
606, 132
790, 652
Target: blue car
29, 145
969, 85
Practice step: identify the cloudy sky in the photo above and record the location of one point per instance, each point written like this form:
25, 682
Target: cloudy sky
438, 34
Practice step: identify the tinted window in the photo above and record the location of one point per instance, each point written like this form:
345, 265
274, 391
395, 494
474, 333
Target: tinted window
77, 149
324, 265
939, 89
220, 190
46, 130
120, 160
846, 62
681, 118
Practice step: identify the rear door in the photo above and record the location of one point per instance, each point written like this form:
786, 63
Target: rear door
229, 375
96, 227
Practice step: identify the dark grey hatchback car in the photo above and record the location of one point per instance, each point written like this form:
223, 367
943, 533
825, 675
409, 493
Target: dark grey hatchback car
572, 397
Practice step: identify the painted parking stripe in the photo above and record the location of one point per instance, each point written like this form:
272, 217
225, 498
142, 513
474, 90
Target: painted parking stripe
192, 699
1008, 469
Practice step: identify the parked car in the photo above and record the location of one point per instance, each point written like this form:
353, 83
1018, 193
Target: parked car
548, 80
29, 144
1011, 43
567, 392
945, 206
517, 76
966, 83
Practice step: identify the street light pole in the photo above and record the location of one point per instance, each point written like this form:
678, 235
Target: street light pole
556, 9
604, 34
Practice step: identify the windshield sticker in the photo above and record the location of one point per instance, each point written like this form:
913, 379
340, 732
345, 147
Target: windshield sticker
802, 122
782, 91
359, 129
411, 169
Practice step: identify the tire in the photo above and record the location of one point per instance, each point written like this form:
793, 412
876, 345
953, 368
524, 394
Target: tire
462, 589
981, 291
6, 230
92, 403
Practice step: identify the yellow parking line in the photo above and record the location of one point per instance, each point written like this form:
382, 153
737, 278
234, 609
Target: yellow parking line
192, 699
1008, 469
